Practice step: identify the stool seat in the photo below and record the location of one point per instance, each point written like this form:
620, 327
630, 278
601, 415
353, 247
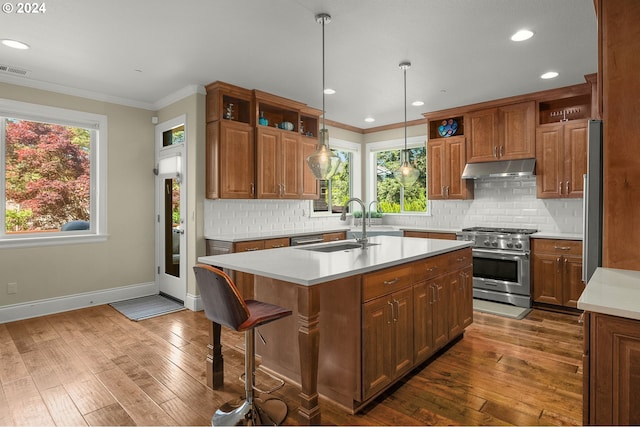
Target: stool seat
261, 313
224, 305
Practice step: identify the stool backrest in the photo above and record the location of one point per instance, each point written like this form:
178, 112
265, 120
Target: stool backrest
220, 297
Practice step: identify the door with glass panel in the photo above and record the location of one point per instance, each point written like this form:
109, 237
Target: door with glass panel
170, 209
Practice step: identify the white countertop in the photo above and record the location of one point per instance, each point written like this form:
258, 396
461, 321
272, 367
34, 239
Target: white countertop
613, 291
274, 234
559, 236
299, 265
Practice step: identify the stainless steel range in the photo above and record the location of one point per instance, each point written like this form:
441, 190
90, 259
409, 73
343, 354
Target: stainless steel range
501, 263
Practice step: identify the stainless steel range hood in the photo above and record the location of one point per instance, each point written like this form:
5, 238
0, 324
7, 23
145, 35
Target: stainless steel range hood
502, 168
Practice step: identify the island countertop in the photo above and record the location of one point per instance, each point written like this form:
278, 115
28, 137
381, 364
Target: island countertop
300, 265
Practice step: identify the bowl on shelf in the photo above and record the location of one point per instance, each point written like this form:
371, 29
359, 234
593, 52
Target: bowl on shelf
286, 125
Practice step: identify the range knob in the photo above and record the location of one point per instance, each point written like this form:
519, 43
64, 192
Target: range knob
487, 243
519, 245
494, 243
510, 245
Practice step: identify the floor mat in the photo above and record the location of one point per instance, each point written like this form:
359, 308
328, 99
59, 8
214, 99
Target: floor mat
499, 309
147, 307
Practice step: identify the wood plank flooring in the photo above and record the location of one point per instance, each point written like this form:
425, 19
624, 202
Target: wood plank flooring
96, 367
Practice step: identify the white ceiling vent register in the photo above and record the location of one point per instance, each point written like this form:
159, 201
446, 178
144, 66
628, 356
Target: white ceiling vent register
7, 69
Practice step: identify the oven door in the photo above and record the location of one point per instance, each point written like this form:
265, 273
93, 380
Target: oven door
502, 271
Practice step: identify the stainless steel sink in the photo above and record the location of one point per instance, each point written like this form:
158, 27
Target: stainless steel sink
346, 246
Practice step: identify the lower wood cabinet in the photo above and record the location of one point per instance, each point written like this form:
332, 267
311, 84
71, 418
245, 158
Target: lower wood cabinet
611, 370
430, 235
556, 271
410, 312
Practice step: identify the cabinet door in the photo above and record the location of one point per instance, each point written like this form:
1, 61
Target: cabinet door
482, 144
575, 158
440, 294
436, 169
268, 163
423, 321
549, 164
376, 350
237, 161
573, 286
402, 311
517, 131
547, 278
310, 185
212, 161
615, 370
465, 297
455, 160
290, 172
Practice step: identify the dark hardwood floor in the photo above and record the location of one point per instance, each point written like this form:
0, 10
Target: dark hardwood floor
96, 367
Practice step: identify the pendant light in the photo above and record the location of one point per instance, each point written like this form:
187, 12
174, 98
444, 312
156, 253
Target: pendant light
406, 174
323, 162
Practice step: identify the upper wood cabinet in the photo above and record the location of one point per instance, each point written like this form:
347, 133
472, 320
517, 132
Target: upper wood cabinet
446, 161
446, 155
256, 145
561, 159
501, 133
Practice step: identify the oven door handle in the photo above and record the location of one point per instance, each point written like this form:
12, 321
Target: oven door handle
498, 254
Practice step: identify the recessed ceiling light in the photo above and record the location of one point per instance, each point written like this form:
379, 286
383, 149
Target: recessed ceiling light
369, 120
549, 75
15, 44
417, 103
329, 91
522, 35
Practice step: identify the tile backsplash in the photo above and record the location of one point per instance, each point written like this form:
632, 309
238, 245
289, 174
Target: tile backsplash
498, 202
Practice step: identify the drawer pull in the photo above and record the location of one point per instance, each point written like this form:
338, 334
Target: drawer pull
432, 269
562, 248
461, 259
251, 249
391, 282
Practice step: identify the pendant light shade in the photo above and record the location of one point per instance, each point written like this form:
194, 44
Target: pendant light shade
406, 174
323, 162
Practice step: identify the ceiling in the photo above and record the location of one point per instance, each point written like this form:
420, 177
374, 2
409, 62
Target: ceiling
145, 51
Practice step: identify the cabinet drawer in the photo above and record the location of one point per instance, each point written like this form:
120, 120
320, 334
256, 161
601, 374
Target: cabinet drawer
557, 246
251, 245
460, 259
276, 243
385, 281
332, 237
430, 267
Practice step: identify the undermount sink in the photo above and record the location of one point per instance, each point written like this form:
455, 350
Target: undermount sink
337, 247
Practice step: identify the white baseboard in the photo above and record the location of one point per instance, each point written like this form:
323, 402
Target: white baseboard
27, 310
193, 302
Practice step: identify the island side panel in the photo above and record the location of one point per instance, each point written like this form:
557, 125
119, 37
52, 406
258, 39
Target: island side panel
339, 320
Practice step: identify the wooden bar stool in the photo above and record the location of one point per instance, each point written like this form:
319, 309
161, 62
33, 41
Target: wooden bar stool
224, 305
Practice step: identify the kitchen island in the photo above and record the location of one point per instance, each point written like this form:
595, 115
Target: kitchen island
362, 318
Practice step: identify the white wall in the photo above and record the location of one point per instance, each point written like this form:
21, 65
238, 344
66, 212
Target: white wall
127, 257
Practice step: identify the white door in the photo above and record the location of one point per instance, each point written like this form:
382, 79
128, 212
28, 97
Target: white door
171, 208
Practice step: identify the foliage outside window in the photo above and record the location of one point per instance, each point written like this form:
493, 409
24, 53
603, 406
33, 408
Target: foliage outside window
335, 192
48, 185
391, 196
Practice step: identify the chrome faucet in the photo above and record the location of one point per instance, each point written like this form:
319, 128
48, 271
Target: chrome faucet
371, 203
363, 238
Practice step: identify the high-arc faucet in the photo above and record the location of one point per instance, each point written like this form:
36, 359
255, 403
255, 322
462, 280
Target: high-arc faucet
371, 203
363, 239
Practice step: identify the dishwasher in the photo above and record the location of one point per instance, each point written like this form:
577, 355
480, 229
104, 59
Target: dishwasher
306, 240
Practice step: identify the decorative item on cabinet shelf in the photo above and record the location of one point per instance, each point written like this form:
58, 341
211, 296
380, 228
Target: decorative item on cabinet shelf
262, 121
286, 125
448, 128
229, 112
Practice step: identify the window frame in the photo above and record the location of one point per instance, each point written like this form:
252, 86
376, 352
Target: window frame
355, 185
393, 144
97, 124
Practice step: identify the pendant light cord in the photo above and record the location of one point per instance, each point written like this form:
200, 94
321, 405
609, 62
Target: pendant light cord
323, 85
405, 114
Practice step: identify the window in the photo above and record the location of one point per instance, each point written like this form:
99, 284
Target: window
385, 158
50, 174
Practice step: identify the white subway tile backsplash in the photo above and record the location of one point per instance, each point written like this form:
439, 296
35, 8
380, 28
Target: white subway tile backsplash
498, 203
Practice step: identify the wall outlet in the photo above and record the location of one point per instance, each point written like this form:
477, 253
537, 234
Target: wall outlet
12, 288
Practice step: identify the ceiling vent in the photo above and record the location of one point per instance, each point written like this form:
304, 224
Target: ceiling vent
6, 69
